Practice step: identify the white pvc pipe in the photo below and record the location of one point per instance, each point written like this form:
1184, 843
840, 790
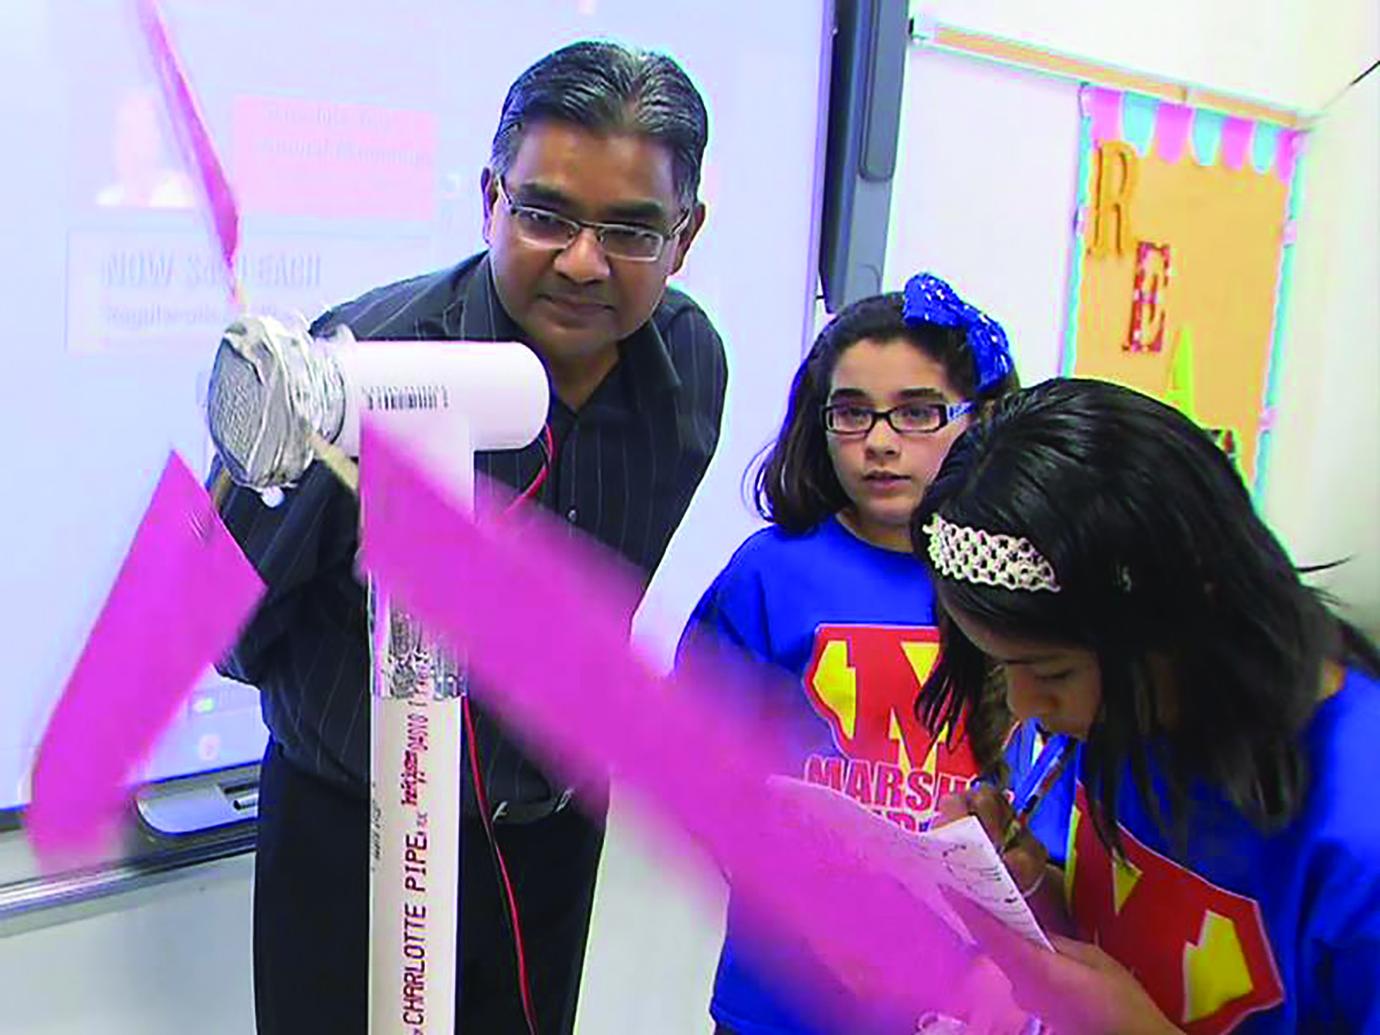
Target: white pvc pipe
416, 754
414, 910
499, 388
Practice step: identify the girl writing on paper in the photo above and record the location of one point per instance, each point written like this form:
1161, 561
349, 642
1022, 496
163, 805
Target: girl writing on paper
1214, 846
832, 593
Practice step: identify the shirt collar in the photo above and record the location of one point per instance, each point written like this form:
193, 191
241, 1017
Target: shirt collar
482, 316
643, 358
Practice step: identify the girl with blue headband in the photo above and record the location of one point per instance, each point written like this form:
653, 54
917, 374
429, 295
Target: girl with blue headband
833, 594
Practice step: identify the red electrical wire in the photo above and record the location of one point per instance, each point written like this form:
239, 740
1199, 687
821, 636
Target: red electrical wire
549, 448
482, 797
486, 817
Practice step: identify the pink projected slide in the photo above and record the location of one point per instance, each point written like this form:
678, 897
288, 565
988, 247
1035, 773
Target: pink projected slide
316, 158
145, 169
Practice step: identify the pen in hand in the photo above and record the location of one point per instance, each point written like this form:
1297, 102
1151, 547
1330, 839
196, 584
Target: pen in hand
1057, 753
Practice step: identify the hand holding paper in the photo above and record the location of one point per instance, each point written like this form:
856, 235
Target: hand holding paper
959, 856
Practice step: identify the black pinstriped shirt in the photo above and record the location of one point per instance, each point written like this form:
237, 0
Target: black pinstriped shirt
625, 468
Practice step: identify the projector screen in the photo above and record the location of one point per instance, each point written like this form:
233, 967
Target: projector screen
355, 142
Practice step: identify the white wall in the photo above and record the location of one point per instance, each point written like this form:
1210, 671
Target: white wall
1323, 484
983, 196
170, 959
1295, 53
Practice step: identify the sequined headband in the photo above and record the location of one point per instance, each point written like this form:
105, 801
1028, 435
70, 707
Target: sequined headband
987, 558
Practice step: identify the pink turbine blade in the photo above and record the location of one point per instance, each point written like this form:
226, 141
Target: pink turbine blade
182, 593
542, 622
195, 138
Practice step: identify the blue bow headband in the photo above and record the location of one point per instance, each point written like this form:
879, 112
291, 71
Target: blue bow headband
930, 300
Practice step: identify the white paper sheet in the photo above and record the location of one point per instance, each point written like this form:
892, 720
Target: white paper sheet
958, 856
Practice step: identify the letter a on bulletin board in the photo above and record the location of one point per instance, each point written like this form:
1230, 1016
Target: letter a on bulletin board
1181, 259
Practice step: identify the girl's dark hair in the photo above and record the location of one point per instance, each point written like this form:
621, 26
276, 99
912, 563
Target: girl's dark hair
795, 486
1160, 558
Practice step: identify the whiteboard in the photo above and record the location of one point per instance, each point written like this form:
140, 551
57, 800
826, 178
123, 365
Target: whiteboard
113, 307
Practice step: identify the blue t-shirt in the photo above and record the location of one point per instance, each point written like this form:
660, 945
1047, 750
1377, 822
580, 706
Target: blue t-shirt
854, 624
1243, 932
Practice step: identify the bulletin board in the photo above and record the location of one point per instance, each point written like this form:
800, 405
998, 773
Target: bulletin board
1180, 260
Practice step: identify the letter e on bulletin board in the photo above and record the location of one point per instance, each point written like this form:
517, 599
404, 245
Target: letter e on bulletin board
1181, 259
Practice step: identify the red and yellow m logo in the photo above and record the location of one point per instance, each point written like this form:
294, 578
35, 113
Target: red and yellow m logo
1200, 951
863, 680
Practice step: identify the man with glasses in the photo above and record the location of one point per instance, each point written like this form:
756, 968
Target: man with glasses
590, 203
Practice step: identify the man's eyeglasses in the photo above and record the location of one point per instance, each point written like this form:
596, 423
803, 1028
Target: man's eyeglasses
851, 420
543, 228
